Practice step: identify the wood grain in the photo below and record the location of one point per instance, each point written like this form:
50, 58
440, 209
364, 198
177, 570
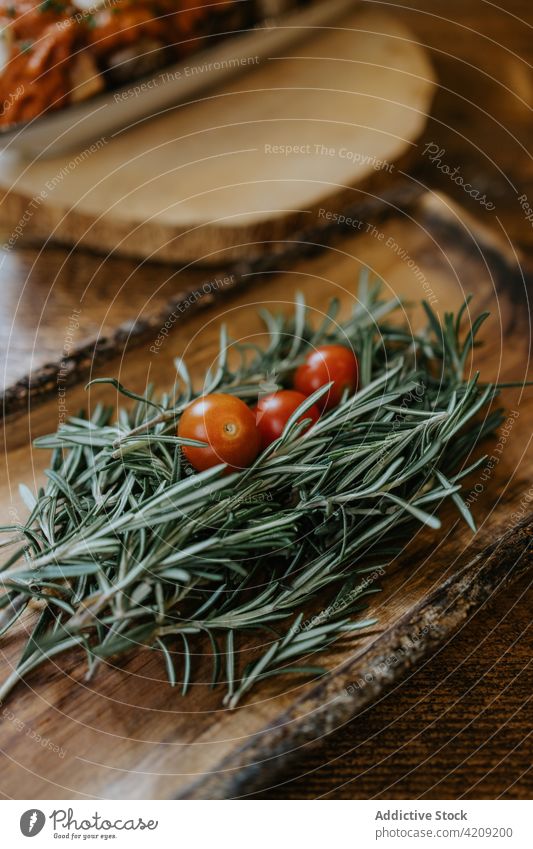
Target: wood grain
127, 734
459, 725
220, 178
358, 683
111, 303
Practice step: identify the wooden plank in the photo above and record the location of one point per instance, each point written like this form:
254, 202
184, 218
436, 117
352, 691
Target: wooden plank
221, 177
126, 733
69, 312
362, 680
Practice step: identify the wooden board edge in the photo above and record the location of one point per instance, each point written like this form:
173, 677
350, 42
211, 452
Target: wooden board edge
337, 698
437, 212
66, 225
42, 382
512, 269
240, 242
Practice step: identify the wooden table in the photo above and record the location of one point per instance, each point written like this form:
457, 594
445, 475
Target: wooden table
459, 726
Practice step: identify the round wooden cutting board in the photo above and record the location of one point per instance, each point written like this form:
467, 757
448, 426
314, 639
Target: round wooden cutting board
280, 146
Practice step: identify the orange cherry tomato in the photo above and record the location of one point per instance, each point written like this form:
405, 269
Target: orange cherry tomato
227, 425
323, 365
274, 411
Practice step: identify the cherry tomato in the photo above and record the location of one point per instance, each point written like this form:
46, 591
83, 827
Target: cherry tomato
227, 425
323, 365
274, 411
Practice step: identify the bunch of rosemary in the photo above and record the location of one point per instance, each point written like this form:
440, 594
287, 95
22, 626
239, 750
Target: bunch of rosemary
126, 547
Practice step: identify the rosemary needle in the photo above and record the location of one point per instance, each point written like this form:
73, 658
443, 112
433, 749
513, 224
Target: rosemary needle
125, 547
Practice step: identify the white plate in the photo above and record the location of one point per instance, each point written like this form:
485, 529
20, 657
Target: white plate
74, 126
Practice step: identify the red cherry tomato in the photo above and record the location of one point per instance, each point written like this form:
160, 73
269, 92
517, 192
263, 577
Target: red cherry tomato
274, 411
323, 365
227, 425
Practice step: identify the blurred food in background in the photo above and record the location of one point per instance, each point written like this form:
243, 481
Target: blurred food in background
55, 52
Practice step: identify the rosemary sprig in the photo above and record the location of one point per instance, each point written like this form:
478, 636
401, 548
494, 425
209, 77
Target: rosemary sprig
125, 546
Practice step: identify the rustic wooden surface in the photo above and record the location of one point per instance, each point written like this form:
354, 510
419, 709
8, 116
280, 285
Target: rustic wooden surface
126, 733
222, 177
478, 745
458, 728
133, 303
